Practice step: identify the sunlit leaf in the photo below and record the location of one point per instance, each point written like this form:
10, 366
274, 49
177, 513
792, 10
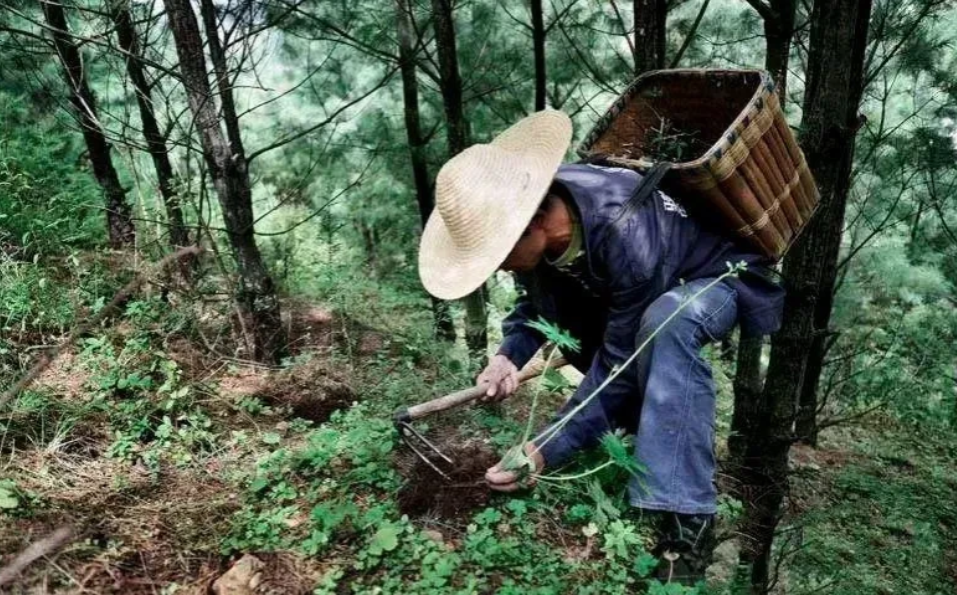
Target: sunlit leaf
561, 338
385, 539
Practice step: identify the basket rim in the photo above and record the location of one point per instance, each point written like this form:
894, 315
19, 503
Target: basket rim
766, 85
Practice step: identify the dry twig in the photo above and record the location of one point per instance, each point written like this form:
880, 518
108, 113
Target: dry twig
120, 298
46, 546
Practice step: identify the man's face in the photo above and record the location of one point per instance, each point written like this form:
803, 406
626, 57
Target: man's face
529, 250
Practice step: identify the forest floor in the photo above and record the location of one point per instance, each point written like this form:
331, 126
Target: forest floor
171, 463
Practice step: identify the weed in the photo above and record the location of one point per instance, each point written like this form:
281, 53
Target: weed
12, 499
668, 143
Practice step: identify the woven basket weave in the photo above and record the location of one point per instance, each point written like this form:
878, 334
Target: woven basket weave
753, 181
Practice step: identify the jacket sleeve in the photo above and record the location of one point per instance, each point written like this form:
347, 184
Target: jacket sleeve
615, 405
519, 341
629, 258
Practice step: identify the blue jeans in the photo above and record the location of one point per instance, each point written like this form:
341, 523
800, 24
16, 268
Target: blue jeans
676, 422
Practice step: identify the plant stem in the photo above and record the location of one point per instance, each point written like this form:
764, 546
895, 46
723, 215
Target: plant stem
552, 431
538, 390
604, 465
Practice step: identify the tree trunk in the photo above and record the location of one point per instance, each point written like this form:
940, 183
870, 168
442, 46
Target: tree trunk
538, 43
778, 33
155, 141
748, 387
119, 215
476, 326
223, 84
832, 97
457, 127
829, 233
805, 425
914, 231
258, 302
413, 129
650, 22
747, 398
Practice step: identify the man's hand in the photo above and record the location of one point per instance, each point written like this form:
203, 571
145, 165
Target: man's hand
508, 481
501, 378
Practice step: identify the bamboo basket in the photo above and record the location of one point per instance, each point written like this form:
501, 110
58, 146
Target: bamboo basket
750, 178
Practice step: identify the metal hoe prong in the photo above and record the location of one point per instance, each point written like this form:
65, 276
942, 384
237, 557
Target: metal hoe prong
414, 439
419, 444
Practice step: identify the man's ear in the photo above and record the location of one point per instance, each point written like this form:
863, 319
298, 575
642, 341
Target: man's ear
538, 220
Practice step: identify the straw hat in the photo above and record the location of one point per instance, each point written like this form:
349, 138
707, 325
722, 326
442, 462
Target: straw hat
485, 197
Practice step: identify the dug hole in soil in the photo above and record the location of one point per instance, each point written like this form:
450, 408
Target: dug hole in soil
312, 390
427, 494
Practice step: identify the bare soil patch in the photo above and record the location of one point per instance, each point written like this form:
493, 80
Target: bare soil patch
308, 327
193, 359
66, 377
287, 573
244, 381
313, 390
426, 493
803, 456
315, 328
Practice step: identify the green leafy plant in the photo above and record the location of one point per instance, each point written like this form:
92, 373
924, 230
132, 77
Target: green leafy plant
518, 461
9, 499
667, 143
730, 509
384, 540
561, 338
552, 431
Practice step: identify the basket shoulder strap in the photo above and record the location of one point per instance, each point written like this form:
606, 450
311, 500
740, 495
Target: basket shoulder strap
645, 189
639, 197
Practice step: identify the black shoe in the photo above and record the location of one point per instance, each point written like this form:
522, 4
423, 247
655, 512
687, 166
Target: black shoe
685, 548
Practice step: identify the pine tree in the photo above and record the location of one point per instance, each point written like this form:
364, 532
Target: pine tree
155, 140
119, 214
832, 97
257, 299
457, 131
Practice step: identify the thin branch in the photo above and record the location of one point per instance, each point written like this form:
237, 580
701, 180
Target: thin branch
46, 546
625, 31
323, 207
292, 89
691, 33
88, 40
592, 74
307, 131
517, 20
836, 421
904, 39
560, 16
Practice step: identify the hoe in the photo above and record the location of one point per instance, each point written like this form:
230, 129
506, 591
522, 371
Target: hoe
422, 446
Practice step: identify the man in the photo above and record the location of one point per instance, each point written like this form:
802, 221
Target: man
609, 259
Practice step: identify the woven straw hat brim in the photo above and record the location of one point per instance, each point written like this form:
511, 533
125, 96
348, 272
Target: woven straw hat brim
485, 198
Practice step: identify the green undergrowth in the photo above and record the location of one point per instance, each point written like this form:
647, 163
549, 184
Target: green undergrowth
129, 389
878, 517
322, 491
342, 484
887, 522
332, 495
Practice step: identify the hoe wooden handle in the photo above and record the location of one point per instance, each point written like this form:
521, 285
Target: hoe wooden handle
467, 395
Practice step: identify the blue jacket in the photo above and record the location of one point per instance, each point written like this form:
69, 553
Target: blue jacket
627, 263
